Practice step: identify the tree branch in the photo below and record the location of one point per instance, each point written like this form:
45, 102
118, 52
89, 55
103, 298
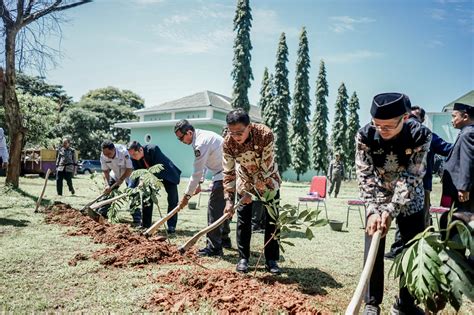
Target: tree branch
29, 7
6, 16
19, 8
53, 8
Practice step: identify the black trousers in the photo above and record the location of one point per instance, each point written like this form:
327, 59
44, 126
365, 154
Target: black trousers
335, 183
60, 175
215, 210
147, 210
244, 233
409, 226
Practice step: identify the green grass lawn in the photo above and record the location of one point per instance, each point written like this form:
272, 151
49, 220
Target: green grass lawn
34, 256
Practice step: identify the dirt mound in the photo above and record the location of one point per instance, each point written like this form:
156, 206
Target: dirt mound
129, 248
229, 293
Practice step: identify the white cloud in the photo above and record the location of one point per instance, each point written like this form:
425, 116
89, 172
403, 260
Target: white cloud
438, 14
352, 56
341, 24
266, 25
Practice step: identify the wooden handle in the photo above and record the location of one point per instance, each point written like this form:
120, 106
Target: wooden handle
38, 202
197, 236
106, 202
354, 305
152, 229
92, 202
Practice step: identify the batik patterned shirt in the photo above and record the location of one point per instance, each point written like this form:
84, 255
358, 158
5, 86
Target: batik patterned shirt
250, 167
390, 172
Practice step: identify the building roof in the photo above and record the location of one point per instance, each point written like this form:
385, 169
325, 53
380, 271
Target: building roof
467, 98
199, 100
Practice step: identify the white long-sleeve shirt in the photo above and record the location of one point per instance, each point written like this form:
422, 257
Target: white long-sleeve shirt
3, 147
207, 146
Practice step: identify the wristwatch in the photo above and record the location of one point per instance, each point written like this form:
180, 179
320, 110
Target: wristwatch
187, 197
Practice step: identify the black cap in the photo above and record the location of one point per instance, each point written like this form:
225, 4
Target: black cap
464, 107
389, 105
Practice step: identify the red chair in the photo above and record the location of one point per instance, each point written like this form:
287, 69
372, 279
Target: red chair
355, 204
317, 193
438, 210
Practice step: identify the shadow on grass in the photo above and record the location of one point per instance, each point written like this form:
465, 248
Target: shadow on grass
310, 281
44, 202
12, 222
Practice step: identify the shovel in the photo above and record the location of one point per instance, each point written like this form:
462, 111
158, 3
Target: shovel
354, 305
183, 248
94, 215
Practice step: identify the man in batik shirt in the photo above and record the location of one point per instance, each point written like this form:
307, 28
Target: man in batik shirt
249, 168
390, 163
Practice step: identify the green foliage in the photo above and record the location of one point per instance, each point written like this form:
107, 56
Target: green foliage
125, 98
37, 86
353, 126
301, 109
39, 114
90, 121
320, 148
288, 219
265, 93
435, 270
339, 127
242, 71
279, 110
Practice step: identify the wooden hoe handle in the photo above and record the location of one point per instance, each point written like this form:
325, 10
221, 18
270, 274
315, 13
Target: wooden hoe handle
152, 229
38, 202
354, 305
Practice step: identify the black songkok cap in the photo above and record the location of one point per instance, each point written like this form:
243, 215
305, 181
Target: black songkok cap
389, 105
464, 107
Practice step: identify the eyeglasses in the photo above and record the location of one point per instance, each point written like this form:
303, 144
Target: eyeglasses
237, 133
384, 128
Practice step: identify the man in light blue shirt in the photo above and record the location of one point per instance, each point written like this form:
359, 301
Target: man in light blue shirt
207, 146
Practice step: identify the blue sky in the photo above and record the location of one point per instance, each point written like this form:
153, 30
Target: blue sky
166, 49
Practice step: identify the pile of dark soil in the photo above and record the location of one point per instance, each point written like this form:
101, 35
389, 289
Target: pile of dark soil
129, 248
229, 293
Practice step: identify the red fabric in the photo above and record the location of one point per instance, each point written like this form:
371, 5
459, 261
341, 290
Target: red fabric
446, 201
438, 209
318, 185
310, 198
355, 202
147, 166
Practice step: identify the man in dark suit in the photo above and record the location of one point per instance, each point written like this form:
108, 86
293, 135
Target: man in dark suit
144, 157
458, 177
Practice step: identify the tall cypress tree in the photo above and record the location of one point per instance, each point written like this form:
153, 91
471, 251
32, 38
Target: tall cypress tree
269, 95
353, 126
320, 123
263, 93
339, 127
301, 109
279, 110
242, 72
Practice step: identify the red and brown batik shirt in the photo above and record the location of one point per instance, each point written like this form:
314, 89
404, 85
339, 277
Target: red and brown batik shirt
250, 165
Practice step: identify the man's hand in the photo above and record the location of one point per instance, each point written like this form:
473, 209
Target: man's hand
107, 190
229, 208
197, 190
463, 196
376, 222
246, 199
183, 203
4, 164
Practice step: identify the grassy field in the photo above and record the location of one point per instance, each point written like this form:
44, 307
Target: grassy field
35, 275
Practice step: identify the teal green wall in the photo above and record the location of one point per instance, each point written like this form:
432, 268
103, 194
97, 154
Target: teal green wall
181, 154
191, 114
151, 117
219, 115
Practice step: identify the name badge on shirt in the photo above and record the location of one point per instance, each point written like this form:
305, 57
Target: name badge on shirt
408, 151
197, 153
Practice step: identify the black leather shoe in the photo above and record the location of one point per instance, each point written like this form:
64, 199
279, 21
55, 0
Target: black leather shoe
207, 252
272, 267
243, 266
226, 243
171, 230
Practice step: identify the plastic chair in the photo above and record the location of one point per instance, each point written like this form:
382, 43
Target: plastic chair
355, 204
317, 193
438, 210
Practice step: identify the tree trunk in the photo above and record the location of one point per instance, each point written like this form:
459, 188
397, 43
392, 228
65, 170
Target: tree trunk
14, 120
